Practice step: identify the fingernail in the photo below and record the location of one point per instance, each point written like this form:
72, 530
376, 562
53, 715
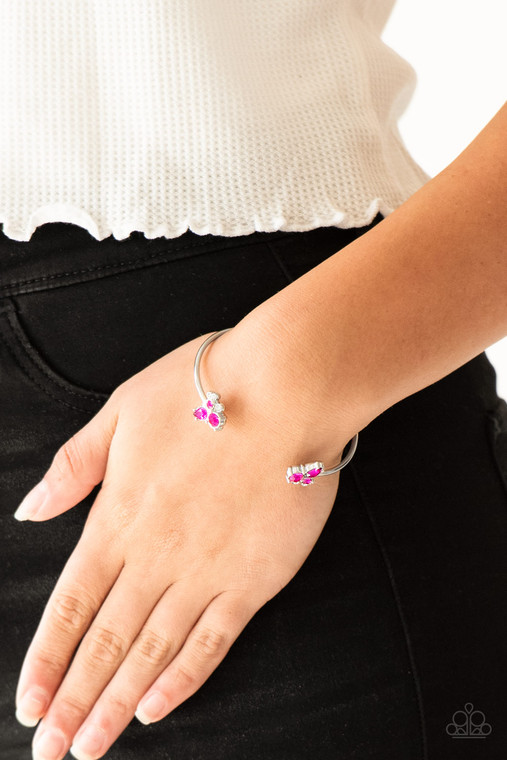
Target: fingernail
32, 706
89, 743
153, 708
32, 502
50, 745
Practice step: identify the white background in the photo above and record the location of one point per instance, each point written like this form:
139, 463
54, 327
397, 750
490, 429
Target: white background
459, 52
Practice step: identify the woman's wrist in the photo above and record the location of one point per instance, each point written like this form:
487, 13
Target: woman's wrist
403, 305
255, 368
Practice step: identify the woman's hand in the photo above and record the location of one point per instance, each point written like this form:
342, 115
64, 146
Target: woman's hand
193, 531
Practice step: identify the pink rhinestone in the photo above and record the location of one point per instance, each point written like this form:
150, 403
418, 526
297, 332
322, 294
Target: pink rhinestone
201, 413
307, 480
213, 420
313, 473
295, 477
209, 404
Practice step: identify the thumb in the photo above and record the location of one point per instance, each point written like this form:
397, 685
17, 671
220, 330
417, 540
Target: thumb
78, 465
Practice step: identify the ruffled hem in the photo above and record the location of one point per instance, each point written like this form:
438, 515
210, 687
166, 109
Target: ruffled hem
121, 230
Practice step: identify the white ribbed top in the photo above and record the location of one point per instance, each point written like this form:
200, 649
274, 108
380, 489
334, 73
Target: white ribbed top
219, 116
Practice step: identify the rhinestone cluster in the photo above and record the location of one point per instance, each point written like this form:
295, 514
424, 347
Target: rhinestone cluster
212, 413
304, 474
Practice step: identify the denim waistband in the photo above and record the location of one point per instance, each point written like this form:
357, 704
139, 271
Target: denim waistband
61, 253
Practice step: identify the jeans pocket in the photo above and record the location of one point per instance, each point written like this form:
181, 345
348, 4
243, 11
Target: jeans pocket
497, 431
28, 364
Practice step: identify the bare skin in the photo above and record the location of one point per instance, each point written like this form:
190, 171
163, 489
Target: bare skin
184, 560
407, 303
411, 300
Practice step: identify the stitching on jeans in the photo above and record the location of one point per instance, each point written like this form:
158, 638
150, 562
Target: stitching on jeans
396, 595
36, 382
280, 263
115, 264
385, 558
496, 426
40, 366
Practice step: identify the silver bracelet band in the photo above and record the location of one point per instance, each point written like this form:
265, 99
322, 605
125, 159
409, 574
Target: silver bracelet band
212, 412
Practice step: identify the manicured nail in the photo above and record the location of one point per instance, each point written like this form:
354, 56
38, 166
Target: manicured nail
88, 744
32, 706
50, 745
32, 502
153, 708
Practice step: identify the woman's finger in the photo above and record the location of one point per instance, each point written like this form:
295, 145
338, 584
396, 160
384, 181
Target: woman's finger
86, 580
207, 638
78, 465
124, 639
100, 654
204, 649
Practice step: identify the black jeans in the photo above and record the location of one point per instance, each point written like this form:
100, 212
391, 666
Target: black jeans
397, 619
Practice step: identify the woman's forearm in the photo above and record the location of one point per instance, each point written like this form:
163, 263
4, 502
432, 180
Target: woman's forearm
414, 298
